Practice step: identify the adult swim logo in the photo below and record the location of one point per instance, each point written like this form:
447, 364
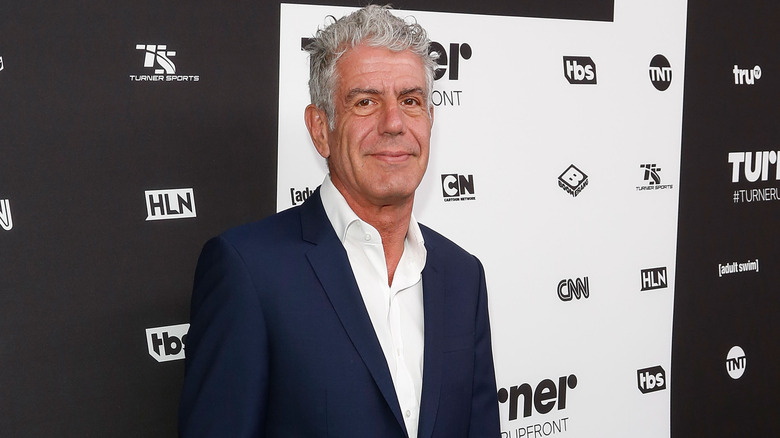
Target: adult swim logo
455, 187
6, 221
573, 180
158, 58
736, 362
736, 267
755, 166
579, 70
652, 177
573, 288
746, 76
654, 278
546, 396
660, 72
167, 343
651, 379
170, 204
297, 196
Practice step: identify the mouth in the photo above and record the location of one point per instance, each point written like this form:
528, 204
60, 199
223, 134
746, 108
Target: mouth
392, 156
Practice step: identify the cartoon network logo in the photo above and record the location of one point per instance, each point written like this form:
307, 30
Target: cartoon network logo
158, 57
455, 187
170, 204
6, 221
167, 343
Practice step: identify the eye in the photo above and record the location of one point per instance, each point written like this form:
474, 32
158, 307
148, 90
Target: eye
410, 101
363, 102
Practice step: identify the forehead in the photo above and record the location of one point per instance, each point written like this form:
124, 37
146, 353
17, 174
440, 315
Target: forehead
365, 66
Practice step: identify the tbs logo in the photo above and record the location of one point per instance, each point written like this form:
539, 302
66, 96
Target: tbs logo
651, 379
660, 72
167, 343
543, 398
456, 187
573, 180
579, 69
451, 62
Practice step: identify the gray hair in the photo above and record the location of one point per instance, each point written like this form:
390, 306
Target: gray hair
374, 26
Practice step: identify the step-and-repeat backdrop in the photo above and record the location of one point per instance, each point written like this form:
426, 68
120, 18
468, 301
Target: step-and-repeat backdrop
614, 165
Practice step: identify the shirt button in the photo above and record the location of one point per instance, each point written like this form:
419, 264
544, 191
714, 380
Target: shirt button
408, 413
367, 237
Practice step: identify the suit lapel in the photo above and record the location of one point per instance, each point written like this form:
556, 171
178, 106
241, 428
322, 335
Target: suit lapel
329, 261
433, 309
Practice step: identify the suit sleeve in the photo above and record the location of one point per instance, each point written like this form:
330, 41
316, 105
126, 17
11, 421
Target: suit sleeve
485, 421
226, 369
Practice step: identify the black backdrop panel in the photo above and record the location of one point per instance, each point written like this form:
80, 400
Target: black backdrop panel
715, 311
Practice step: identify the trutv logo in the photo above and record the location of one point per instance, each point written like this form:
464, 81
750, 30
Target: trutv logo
579, 69
167, 343
651, 379
744, 76
542, 399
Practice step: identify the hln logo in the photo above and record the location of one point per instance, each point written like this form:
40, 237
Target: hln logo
170, 204
543, 398
167, 343
573, 180
457, 187
579, 69
654, 278
651, 379
6, 221
568, 289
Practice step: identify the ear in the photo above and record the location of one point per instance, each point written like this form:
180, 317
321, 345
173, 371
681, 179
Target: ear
317, 124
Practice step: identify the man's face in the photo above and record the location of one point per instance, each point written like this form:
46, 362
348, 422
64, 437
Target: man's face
378, 150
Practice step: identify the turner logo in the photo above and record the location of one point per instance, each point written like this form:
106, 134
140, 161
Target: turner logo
6, 221
579, 69
746, 76
736, 361
542, 399
654, 278
456, 187
158, 57
449, 62
167, 343
573, 180
577, 288
754, 165
651, 379
660, 72
170, 204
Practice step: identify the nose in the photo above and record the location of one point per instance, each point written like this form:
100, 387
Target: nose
392, 120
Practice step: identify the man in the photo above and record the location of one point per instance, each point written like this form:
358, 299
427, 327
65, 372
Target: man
343, 317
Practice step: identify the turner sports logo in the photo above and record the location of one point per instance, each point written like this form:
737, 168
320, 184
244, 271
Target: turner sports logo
158, 57
6, 221
573, 180
546, 396
744, 76
167, 343
579, 70
170, 204
651, 379
736, 362
455, 187
755, 166
652, 176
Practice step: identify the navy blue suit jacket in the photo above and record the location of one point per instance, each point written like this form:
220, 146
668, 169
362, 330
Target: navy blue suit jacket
281, 345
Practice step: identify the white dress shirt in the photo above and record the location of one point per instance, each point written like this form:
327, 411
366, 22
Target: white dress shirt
396, 311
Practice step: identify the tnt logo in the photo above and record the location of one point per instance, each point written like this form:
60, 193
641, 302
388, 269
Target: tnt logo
160, 54
651, 173
660, 72
451, 62
167, 343
568, 289
746, 76
736, 361
573, 180
579, 69
456, 187
654, 278
6, 221
542, 399
651, 379
754, 165
170, 204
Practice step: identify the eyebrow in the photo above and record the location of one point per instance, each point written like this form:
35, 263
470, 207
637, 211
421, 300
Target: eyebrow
372, 91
